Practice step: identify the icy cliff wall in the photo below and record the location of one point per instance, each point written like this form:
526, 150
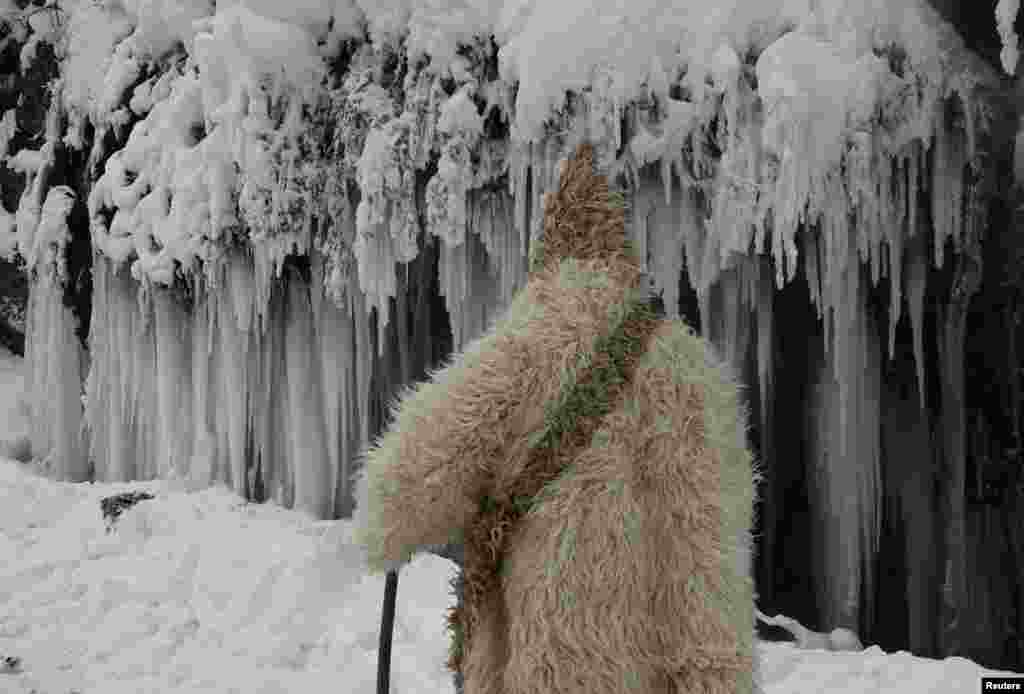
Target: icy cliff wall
277, 192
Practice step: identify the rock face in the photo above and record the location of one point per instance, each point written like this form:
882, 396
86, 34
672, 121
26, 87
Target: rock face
593, 460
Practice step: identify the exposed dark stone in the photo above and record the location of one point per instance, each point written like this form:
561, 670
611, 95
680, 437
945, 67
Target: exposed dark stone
12, 339
10, 665
113, 506
773, 633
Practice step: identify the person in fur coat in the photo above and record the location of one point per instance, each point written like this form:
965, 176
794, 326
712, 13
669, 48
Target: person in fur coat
591, 458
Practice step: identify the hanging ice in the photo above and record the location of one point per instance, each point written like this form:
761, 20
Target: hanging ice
1006, 13
54, 360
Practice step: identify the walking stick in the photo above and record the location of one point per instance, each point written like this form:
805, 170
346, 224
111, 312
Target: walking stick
387, 620
387, 624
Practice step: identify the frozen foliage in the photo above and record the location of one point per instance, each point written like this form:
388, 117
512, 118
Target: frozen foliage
45, 242
220, 150
40, 221
208, 153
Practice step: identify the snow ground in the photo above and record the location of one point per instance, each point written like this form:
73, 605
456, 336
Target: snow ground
201, 592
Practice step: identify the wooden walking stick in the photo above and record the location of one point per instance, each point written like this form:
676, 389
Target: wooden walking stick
387, 621
387, 625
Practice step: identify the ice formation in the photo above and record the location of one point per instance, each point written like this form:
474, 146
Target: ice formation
757, 142
1006, 13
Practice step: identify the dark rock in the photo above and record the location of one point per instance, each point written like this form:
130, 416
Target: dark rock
11, 338
112, 506
773, 633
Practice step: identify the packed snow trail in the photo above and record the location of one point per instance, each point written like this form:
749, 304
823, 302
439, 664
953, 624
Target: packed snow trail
198, 591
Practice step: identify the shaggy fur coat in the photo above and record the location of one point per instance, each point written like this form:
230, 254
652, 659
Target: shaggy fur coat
592, 460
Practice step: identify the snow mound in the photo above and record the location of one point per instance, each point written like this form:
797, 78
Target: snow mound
202, 592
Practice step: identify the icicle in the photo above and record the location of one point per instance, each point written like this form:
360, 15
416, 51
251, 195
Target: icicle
869, 459
349, 412
641, 218
375, 260
827, 283
484, 294
895, 288
145, 411
844, 479
99, 381
765, 340
122, 396
364, 360
545, 168
514, 269
882, 212
913, 187
728, 317
451, 271
491, 219
204, 448
947, 182
107, 398
811, 264
54, 379
917, 274
241, 288
693, 234
119, 445
231, 414
263, 276
471, 293
519, 167
269, 423
334, 333
260, 398
850, 374
667, 247
174, 377
845, 345
307, 455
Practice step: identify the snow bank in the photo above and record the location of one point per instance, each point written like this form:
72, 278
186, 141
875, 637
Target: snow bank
200, 592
